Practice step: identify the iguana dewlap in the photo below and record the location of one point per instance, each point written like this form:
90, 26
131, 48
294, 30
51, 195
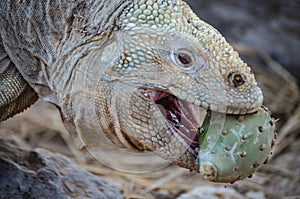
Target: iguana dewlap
134, 71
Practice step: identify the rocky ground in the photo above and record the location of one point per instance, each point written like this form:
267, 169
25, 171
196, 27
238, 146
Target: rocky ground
266, 33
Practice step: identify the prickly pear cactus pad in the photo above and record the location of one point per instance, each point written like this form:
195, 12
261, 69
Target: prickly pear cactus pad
235, 147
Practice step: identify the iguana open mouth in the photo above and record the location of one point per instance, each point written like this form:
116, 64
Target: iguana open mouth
180, 115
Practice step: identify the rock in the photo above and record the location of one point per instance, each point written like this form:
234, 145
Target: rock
42, 174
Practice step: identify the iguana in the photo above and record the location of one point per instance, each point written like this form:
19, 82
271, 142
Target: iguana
140, 72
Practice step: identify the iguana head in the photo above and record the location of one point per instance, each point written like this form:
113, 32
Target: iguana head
172, 69
166, 70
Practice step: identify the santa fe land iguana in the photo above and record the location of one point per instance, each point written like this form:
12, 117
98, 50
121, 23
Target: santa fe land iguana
136, 71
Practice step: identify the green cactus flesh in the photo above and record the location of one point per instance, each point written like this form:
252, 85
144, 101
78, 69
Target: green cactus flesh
233, 147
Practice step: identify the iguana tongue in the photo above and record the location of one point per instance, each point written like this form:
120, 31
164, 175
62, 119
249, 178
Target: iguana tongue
183, 117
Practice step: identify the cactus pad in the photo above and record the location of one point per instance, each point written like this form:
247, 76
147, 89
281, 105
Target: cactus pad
235, 146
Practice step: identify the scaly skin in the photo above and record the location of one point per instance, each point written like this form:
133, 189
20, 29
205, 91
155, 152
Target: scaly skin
15, 93
102, 64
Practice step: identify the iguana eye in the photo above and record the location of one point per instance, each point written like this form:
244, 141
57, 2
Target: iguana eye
184, 59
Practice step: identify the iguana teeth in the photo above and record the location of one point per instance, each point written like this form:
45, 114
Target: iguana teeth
194, 112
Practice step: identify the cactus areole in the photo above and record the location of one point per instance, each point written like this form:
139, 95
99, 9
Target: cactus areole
234, 148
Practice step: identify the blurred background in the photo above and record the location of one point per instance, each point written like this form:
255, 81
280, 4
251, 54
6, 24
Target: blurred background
267, 35
271, 26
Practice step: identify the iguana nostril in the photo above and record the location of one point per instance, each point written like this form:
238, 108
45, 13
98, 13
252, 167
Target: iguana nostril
236, 79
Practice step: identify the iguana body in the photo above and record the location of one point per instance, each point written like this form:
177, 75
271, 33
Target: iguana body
132, 70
